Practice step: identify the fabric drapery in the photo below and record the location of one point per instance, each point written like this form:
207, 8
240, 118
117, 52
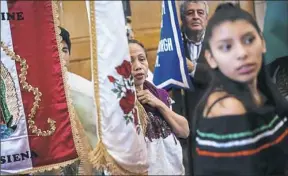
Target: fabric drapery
40, 135
120, 149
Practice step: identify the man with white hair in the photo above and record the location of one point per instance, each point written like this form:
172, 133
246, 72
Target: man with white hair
194, 17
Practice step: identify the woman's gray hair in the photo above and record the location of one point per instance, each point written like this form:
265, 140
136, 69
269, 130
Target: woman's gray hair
184, 3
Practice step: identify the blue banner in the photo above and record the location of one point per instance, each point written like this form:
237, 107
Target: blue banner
170, 67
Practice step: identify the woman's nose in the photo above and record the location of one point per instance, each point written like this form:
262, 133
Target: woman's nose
137, 65
241, 52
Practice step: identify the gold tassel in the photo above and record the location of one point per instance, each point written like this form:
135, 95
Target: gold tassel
102, 160
97, 156
85, 167
143, 117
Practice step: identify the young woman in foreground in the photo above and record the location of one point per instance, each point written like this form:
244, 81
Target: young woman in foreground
241, 122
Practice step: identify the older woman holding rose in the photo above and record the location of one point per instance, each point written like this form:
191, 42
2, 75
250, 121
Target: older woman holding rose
163, 125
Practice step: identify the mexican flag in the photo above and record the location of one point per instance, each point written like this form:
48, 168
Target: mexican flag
121, 148
36, 117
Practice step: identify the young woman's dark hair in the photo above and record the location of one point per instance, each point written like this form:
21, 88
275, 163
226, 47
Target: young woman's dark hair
229, 13
224, 6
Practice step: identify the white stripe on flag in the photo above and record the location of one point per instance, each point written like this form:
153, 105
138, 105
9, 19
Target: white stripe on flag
17, 142
121, 140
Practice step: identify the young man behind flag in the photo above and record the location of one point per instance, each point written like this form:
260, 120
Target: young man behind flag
121, 149
37, 119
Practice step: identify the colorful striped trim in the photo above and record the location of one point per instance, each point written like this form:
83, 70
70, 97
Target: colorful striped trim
241, 142
244, 152
238, 135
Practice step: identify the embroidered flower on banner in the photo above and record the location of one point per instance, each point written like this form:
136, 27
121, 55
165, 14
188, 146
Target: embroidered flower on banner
124, 69
123, 88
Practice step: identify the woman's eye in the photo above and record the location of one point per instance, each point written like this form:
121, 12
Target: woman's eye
249, 39
225, 47
141, 59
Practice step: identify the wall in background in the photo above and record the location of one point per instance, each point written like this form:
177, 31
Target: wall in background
146, 19
260, 10
73, 16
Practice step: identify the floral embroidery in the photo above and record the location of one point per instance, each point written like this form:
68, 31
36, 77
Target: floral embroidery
124, 69
127, 102
157, 127
125, 93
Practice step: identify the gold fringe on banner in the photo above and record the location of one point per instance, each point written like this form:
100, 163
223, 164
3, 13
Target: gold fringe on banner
99, 157
143, 117
17, 58
58, 166
80, 139
49, 167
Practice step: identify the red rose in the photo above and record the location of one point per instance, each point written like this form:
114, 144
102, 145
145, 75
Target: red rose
111, 79
127, 102
124, 69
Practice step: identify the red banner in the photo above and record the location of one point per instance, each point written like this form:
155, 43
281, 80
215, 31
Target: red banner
43, 89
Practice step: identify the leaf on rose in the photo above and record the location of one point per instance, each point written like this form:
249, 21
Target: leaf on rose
115, 90
127, 122
119, 88
130, 118
129, 83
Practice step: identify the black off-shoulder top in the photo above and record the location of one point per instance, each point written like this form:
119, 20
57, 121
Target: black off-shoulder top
254, 144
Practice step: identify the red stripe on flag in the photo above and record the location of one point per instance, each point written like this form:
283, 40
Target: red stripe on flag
34, 39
